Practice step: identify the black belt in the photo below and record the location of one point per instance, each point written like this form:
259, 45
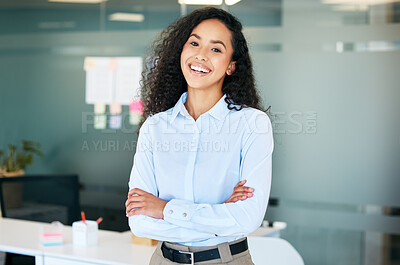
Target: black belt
186, 257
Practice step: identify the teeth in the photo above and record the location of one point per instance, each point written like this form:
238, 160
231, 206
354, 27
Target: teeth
199, 69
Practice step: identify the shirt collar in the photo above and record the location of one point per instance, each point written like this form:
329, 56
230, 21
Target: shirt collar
179, 107
218, 111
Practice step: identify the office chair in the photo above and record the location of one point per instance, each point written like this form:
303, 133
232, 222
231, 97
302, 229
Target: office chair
42, 198
271, 250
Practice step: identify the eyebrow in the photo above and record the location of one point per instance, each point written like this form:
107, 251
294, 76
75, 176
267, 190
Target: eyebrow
213, 41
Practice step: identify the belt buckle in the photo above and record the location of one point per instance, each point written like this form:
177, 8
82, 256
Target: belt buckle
191, 256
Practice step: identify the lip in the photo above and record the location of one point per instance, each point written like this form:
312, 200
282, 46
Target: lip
198, 73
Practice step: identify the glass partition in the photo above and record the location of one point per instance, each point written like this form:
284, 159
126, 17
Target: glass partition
329, 70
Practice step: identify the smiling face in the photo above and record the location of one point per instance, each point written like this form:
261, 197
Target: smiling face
206, 56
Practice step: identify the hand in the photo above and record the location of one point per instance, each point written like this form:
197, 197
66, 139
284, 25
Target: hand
141, 202
240, 192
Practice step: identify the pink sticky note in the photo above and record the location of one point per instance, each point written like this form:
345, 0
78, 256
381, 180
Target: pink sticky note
52, 235
115, 108
136, 105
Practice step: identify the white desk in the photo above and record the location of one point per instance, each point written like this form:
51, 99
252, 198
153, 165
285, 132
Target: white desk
113, 248
16, 240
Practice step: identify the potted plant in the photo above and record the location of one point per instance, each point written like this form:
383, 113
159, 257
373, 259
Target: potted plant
13, 164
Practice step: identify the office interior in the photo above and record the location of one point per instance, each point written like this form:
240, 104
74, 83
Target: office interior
329, 69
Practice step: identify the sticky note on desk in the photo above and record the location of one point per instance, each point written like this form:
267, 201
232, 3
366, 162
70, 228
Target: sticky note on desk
51, 235
51, 239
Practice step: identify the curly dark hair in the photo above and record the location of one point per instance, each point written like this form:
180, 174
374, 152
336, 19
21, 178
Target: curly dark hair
163, 82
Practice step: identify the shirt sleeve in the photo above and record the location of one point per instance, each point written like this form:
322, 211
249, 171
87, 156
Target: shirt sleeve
243, 217
142, 177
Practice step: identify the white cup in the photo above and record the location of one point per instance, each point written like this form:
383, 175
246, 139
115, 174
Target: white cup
85, 234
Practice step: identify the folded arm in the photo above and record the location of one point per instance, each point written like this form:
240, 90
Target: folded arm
142, 177
227, 219
204, 221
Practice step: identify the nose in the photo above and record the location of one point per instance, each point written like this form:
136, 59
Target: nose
201, 56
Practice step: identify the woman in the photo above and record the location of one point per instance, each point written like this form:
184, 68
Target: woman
204, 137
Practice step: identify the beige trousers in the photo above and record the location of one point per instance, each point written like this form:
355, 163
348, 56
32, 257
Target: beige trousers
243, 258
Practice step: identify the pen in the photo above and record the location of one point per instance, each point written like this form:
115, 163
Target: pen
83, 217
98, 221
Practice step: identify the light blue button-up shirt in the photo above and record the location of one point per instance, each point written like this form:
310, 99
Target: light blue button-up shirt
194, 165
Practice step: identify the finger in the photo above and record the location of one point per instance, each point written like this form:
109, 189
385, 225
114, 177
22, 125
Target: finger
136, 191
240, 183
241, 197
134, 212
133, 199
236, 198
230, 200
243, 189
134, 205
239, 194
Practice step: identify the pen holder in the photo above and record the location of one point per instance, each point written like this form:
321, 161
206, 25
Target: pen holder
85, 234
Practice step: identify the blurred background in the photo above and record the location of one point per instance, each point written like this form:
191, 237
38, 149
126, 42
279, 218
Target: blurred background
326, 67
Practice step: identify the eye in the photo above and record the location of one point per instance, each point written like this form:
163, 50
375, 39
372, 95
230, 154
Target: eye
216, 50
194, 43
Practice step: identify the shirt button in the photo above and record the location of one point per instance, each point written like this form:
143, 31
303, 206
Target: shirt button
170, 211
184, 214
